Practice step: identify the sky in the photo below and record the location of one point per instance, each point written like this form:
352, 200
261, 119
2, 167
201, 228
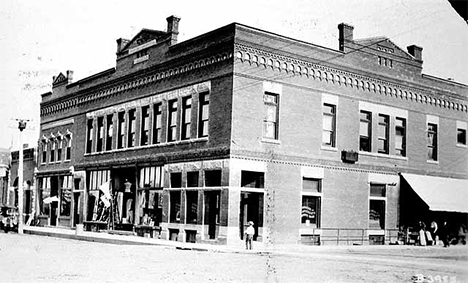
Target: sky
40, 39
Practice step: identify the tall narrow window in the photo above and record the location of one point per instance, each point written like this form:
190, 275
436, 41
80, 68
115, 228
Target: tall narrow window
432, 142
191, 207
100, 134
68, 150
89, 136
44, 152
52, 150
382, 131
157, 123
365, 131
311, 202
131, 128
186, 117
59, 149
461, 136
109, 131
400, 136
328, 131
377, 206
204, 114
174, 203
270, 119
145, 118
171, 130
121, 131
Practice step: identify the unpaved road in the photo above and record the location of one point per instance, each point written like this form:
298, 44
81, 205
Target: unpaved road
29, 258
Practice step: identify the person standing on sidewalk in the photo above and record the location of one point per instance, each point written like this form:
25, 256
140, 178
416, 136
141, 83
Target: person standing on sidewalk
433, 230
444, 234
249, 233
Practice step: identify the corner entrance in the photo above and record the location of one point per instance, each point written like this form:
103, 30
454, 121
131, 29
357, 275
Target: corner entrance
251, 209
212, 204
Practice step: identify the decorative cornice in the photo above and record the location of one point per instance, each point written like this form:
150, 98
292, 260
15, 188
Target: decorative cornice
135, 83
325, 74
57, 123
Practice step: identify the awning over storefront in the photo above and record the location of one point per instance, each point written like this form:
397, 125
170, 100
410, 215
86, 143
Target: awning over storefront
440, 194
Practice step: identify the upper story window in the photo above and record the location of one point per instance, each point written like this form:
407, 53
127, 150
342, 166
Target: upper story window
145, 118
89, 136
109, 131
400, 136
69, 146
44, 151
382, 132
52, 150
186, 117
329, 125
271, 113
172, 122
131, 128
59, 149
461, 133
100, 134
432, 142
365, 126
121, 130
157, 123
204, 114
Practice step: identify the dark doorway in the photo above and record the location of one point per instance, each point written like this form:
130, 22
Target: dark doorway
76, 208
212, 203
54, 185
251, 209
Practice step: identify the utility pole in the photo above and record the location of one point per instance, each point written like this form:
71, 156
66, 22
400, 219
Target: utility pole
21, 127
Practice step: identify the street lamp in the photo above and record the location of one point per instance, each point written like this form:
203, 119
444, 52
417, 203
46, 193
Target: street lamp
21, 127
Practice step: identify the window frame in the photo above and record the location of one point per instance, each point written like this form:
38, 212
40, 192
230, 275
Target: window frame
203, 110
131, 131
186, 118
100, 134
368, 121
270, 104
317, 196
385, 124
157, 127
109, 131
332, 131
400, 128
432, 128
121, 129
380, 199
172, 107
145, 126
89, 136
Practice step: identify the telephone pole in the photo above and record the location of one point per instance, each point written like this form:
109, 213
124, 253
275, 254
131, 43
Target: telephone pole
21, 127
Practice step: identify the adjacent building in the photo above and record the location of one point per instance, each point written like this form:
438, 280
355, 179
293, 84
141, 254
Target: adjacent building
4, 175
189, 141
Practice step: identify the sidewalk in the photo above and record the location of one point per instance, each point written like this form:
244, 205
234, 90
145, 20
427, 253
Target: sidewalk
258, 248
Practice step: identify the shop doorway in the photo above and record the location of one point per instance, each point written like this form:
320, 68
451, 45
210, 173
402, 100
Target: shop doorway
124, 191
54, 187
76, 208
212, 203
251, 209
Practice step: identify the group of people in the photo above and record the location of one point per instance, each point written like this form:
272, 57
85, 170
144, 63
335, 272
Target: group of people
433, 233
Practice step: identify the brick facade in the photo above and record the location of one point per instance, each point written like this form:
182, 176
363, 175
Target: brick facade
262, 98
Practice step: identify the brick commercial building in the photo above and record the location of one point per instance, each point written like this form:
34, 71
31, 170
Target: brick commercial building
4, 175
29, 167
189, 141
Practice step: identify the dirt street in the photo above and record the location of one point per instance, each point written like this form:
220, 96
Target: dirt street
28, 258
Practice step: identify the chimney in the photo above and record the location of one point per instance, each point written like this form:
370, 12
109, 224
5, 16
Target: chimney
345, 34
69, 76
173, 28
415, 51
121, 42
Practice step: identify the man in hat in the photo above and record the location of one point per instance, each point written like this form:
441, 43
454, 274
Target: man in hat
249, 233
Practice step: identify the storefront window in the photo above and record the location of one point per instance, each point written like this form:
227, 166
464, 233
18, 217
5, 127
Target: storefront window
192, 206
44, 193
175, 207
65, 196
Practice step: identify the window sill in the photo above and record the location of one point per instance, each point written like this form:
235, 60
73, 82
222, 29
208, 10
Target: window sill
273, 141
381, 155
309, 230
435, 162
462, 145
141, 59
329, 148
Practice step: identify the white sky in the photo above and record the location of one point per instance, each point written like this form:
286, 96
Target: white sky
39, 39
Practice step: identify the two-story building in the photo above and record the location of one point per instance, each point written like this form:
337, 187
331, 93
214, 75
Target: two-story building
191, 140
